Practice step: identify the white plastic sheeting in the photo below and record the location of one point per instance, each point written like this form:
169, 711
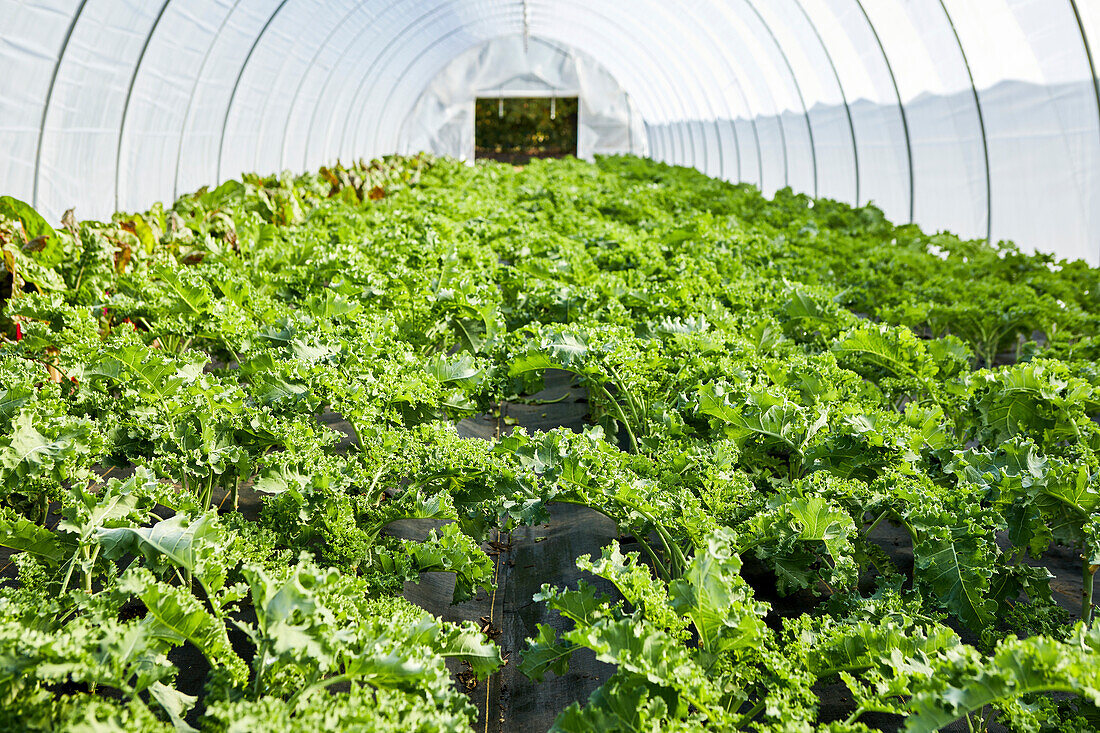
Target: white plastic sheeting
977, 116
443, 118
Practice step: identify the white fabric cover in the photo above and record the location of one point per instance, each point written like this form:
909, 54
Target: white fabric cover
977, 116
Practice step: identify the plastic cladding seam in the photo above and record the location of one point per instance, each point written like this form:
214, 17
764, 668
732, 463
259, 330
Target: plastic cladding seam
259, 115
843, 95
667, 130
733, 67
237, 83
681, 136
129, 95
49, 98
677, 133
755, 136
797, 87
732, 123
1089, 56
722, 52
782, 138
194, 89
404, 72
808, 63
305, 75
981, 126
395, 41
751, 114
329, 77
663, 140
901, 108
676, 18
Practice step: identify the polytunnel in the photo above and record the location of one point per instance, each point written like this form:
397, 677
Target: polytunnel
587, 366
982, 118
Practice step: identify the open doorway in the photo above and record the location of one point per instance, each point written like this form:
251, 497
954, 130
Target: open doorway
516, 129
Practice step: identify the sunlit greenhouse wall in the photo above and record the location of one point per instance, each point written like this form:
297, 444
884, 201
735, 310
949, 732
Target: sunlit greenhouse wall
976, 116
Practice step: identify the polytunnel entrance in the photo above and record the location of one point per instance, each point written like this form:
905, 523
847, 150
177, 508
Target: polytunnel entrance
517, 129
444, 118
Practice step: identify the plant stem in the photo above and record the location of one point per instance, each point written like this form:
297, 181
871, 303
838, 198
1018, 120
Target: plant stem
355, 433
321, 684
68, 576
669, 545
208, 492
657, 564
1087, 572
91, 558
875, 523
374, 480
622, 415
259, 671
749, 715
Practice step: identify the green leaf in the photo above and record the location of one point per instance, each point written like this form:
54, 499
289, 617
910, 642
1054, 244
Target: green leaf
1018, 667
875, 348
470, 645
651, 654
330, 304
718, 601
532, 362
584, 606
804, 305
620, 704
546, 653
636, 582
154, 374
1037, 399
774, 420
226, 192
144, 234
23, 535
460, 370
27, 454
389, 669
117, 501
193, 298
175, 615
449, 550
561, 350
175, 704
819, 521
12, 399
957, 565
33, 224
180, 541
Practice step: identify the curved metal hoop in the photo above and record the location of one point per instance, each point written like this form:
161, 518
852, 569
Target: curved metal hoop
49, 99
